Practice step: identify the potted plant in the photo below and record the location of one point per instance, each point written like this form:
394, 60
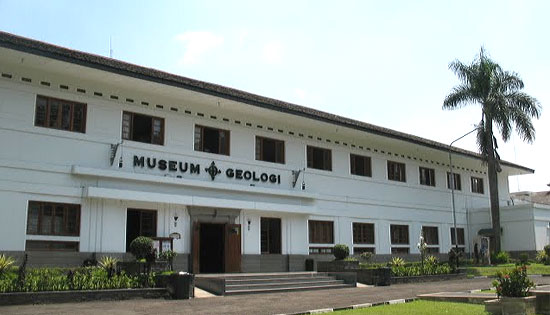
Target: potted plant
513, 289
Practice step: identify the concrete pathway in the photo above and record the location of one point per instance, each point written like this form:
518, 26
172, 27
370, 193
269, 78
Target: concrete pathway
272, 303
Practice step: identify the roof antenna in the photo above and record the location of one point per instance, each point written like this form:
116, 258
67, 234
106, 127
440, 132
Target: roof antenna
110, 47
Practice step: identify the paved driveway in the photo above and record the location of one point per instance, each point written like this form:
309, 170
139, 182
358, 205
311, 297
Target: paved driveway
273, 303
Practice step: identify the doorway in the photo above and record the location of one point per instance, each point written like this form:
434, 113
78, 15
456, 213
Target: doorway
216, 248
211, 248
140, 222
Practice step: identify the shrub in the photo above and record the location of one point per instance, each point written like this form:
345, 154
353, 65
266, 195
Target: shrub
542, 258
108, 263
341, 251
514, 283
396, 262
366, 256
524, 259
169, 256
141, 247
500, 258
5, 263
431, 260
547, 250
418, 270
454, 258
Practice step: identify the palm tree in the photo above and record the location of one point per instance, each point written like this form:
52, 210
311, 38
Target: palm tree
503, 106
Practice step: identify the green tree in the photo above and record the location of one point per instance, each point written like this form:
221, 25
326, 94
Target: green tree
503, 107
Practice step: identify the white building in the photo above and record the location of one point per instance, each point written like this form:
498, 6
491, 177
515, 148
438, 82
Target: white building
96, 151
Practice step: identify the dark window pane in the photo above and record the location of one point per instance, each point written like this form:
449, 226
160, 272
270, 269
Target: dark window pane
141, 128
399, 234
319, 158
270, 235
399, 250
58, 220
427, 176
359, 250
32, 220
47, 217
363, 233
396, 171
55, 106
73, 223
321, 232
456, 181
79, 117
269, 150
126, 126
430, 234
211, 140
60, 114
51, 246
66, 116
360, 165
460, 234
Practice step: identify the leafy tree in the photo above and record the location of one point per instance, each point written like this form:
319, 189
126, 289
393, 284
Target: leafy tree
503, 107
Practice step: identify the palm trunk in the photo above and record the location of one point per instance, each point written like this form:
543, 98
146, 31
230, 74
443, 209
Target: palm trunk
493, 185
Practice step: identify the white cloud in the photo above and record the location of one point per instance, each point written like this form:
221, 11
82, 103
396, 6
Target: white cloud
272, 52
197, 44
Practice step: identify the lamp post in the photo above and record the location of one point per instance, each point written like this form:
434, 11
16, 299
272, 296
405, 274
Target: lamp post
452, 182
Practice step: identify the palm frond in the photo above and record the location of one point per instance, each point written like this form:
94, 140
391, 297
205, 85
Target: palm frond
459, 97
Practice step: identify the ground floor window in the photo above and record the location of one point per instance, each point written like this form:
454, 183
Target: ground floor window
431, 237
399, 237
270, 235
321, 232
320, 250
460, 235
52, 218
51, 246
140, 222
360, 250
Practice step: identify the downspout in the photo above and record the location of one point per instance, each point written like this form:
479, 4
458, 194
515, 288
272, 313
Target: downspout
534, 227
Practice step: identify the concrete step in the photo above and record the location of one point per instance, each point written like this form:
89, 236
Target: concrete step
272, 280
304, 288
269, 275
269, 285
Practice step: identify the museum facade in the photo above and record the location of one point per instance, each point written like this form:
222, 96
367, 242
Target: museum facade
96, 152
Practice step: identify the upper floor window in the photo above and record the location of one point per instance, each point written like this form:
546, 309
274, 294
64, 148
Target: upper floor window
270, 150
142, 128
360, 165
60, 114
396, 171
454, 181
211, 140
427, 176
50, 218
321, 232
319, 158
477, 185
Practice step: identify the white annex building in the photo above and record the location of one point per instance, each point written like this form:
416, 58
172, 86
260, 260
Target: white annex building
95, 152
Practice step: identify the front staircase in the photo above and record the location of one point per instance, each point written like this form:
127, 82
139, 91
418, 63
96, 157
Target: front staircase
232, 284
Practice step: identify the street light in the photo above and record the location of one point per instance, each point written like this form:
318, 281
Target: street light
452, 182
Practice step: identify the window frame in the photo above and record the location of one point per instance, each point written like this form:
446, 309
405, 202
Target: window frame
367, 161
131, 127
430, 179
327, 158
358, 229
316, 227
269, 244
259, 145
59, 119
200, 142
433, 248
403, 173
457, 179
479, 185
458, 229
54, 206
398, 243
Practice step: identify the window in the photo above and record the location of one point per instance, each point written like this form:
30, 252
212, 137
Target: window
460, 235
427, 176
321, 250
142, 128
431, 237
270, 150
319, 158
396, 171
363, 233
49, 218
51, 246
321, 232
360, 165
456, 181
140, 222
270, 235
399, 235
477, 185
60, 114
360, 250
211, 140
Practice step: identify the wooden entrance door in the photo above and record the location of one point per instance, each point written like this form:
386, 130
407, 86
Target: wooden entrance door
232, 248
195, 248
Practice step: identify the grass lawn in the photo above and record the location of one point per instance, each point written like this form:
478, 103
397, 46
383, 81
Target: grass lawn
532, 269
421, 308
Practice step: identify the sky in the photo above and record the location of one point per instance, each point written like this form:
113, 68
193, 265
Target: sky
382, 62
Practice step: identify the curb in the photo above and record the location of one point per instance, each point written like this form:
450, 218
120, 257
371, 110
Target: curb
352, 307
